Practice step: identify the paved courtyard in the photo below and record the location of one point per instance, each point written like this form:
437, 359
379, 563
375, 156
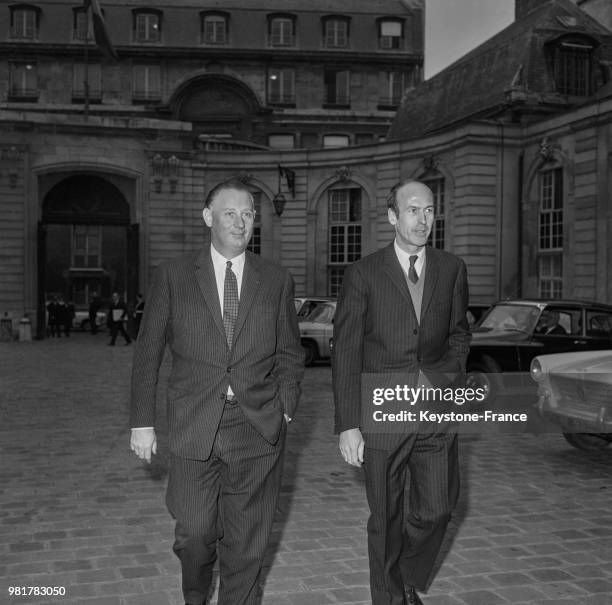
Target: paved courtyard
78, 511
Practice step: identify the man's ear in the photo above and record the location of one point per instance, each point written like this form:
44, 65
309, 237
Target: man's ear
392, 216
207, 215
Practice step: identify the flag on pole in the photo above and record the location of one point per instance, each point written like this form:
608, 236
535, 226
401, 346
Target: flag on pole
99, 29
289, 178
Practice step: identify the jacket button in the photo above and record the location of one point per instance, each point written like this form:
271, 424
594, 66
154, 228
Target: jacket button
229, 369
415, 332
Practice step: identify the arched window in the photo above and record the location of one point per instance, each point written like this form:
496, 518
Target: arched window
550, 233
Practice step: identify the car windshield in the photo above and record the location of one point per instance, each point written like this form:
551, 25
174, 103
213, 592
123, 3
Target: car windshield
322, 313
520, 318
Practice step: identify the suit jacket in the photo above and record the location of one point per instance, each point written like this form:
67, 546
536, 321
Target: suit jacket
376, 329
264, 366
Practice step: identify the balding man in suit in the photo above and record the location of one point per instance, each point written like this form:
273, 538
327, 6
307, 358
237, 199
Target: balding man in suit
228, 318
401, 309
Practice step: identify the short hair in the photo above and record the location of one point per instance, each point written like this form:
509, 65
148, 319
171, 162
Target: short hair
392, 197
232, 183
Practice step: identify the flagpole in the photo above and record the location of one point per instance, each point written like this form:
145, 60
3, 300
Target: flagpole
86, 74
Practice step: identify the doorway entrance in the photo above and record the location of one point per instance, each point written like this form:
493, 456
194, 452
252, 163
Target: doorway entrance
87, 247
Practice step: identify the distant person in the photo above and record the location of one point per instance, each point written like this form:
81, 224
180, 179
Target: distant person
67, 317
53, 320
549, 324
138, 311
94, 307
117, 315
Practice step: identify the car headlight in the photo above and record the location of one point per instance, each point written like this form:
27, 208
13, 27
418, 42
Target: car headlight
536, 370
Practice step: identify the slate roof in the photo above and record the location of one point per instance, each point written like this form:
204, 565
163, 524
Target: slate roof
480, 84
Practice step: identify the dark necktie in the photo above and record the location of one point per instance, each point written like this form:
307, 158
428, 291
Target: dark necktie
230, 302
412, 274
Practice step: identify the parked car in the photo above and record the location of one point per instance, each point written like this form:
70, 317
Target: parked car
316, 331
513, 332
575, 392
81, 320
304, 305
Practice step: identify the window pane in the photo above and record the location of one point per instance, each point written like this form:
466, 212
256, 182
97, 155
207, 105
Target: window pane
24, 23
281, 32
281, 141
335, 140
214, 29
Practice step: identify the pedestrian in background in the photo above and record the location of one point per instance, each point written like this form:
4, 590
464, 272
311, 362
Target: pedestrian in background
53, 320
229, 319
117, 315
401, 309
67, 317
94, 307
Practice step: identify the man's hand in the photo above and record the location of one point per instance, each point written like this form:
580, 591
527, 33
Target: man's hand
143, 443
351, 446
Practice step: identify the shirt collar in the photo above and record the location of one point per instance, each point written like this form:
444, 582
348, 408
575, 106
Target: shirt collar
218, 259
404, 257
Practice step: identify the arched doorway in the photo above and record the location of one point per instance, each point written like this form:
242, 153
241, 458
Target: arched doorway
87, 246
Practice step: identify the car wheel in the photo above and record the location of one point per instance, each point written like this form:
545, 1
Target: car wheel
480, 375
310, 350
587, 442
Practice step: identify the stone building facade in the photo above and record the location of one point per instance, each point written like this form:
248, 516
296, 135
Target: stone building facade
522, 183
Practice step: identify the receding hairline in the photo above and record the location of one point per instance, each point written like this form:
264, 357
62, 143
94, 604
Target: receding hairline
413, 183
229, 185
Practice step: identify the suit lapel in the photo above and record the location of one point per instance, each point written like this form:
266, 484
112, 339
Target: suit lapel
432, 270
396, 274
205, 276
250, 285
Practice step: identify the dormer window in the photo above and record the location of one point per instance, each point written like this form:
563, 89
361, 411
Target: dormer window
390, 34
572, 66
24, 21
147, 26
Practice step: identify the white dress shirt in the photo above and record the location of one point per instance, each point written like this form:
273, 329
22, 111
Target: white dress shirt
404, 259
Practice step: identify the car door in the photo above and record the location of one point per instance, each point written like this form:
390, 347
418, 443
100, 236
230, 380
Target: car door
598, 329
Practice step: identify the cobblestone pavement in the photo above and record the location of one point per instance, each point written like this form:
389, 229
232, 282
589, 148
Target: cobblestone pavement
78, 510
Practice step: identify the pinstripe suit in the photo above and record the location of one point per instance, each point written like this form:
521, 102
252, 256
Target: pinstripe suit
226, 458
376, 330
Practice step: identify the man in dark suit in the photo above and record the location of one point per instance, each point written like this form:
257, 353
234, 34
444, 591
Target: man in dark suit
401, 309
549, 323
229, 320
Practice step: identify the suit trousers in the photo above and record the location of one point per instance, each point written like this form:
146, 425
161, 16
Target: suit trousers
404, 538
226, 503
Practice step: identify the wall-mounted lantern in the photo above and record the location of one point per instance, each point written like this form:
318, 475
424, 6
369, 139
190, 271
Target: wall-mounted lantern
173, 171
158, 163
13, 159
279, 202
